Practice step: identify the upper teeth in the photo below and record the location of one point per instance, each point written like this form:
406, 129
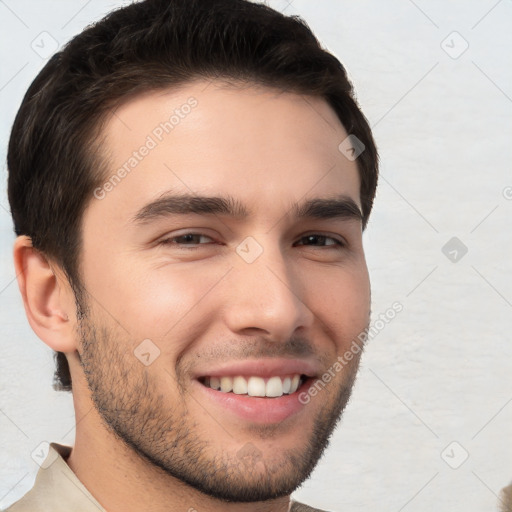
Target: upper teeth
255, 386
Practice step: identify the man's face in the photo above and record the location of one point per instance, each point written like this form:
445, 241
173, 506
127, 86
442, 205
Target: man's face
181, 300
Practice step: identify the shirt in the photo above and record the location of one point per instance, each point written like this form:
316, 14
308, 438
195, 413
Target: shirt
58, 489
506, 499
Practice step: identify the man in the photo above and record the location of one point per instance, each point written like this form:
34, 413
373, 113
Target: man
189, 182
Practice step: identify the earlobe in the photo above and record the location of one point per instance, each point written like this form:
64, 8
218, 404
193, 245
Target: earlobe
47, 297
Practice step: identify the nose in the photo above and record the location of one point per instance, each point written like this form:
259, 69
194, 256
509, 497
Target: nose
266, 298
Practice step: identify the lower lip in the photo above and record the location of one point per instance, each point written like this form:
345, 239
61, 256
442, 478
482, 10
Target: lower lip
257, 409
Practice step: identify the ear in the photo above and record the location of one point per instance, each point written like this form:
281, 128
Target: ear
47, 297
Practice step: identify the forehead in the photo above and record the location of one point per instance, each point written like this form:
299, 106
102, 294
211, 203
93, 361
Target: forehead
266, 147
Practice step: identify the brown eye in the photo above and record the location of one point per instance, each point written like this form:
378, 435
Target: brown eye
321, 241
186, 239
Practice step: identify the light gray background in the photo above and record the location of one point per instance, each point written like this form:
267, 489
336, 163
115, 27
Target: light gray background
440, 372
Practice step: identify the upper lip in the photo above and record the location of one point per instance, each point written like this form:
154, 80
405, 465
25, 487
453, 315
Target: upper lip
263, 367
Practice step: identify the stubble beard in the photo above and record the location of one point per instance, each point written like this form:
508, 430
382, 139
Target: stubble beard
164, 435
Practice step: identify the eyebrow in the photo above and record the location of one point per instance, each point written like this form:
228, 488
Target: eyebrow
339, 207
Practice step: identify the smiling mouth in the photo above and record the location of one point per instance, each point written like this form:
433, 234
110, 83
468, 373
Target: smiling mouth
255, 386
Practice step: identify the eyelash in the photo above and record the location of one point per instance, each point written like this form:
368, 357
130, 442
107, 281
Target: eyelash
171, 241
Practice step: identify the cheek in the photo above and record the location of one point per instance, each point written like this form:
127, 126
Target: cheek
341, 303
163, 303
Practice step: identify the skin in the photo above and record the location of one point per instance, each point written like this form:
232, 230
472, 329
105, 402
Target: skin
146, 433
